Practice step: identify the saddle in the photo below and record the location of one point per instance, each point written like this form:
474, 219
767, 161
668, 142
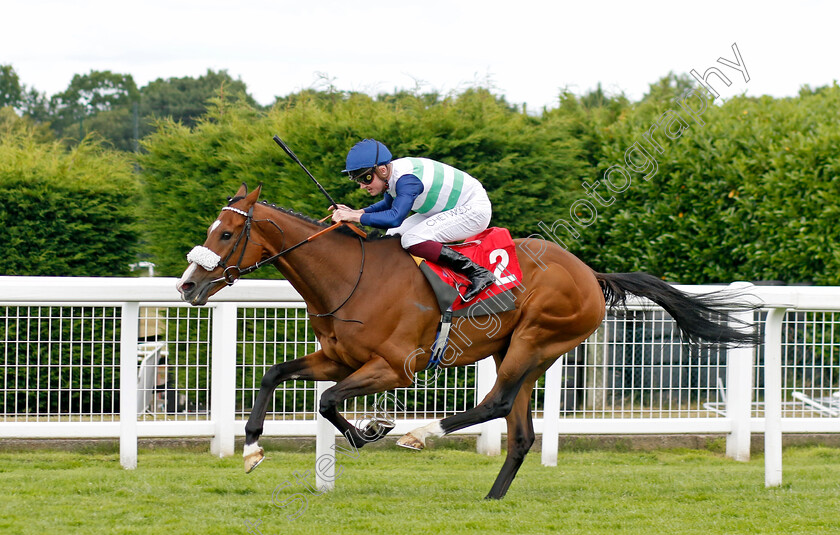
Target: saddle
493, 249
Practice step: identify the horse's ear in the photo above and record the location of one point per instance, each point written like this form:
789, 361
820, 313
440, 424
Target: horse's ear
243, 190
252, 197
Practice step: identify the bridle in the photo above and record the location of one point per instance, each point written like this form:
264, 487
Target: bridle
227, 274
234, 272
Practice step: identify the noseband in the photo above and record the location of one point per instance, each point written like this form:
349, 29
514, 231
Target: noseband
209, 260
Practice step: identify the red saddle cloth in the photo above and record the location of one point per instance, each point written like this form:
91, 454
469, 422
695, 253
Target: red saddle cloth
493, 249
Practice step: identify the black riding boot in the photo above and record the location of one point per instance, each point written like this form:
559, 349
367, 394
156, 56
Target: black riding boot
480, 277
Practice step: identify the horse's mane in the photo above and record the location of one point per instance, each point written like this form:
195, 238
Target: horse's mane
372, 236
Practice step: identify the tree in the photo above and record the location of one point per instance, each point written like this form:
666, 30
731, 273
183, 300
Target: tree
91, 94
185, 99
11, 124
188, 172
35, 105
11, 92
670, 86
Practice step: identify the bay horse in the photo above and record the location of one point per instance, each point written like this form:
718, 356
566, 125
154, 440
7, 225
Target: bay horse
371, 308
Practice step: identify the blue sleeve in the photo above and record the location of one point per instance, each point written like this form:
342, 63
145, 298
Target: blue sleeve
408, 188
384, 204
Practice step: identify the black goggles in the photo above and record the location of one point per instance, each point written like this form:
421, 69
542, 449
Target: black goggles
363, 176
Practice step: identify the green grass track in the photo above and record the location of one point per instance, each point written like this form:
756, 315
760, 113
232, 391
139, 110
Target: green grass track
386, 490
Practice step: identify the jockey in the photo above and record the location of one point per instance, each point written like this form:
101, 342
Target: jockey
449, 206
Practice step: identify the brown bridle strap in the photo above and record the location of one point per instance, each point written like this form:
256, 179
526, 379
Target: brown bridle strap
351, 226
229, 278
361, 233
328, 229
271, 259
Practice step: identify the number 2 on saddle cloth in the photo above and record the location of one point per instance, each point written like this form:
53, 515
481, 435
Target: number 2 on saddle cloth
493, 249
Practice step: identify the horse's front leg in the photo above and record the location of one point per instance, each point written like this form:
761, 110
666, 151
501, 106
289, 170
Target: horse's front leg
313, 367
375, 376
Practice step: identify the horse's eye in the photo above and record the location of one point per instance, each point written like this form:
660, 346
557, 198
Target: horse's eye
226, 235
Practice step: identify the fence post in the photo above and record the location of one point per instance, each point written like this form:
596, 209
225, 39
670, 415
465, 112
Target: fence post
551, 411
324, 444
739, 376
223, 379
773, 397
128, 385
490, 440
596, 365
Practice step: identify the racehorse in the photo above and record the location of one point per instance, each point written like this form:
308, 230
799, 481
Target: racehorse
371, 309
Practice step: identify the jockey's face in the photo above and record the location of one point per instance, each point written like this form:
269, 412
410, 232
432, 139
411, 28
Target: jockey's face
378, 185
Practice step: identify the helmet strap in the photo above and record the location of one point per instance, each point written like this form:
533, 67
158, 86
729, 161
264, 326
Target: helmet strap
379, 176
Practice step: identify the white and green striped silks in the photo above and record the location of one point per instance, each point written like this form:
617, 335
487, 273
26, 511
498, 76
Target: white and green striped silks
444, 187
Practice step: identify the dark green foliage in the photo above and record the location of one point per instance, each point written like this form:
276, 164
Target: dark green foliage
188, 175
751, 195
189, 172
100, 101
47, 371
185, 99
11, 92
65, 212
111, 105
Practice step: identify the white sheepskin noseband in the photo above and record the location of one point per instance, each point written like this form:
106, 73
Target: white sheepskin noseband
204, 257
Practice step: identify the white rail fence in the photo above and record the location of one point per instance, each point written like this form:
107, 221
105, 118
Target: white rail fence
95, 357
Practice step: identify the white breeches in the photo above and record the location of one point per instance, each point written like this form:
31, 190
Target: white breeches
452, 225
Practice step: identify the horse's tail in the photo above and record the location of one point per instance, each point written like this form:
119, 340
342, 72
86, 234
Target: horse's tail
699, 317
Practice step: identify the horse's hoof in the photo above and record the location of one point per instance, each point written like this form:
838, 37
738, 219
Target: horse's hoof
411, 442
377, 428
253, 460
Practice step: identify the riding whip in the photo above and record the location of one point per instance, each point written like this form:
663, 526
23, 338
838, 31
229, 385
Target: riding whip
295, 158
291, 154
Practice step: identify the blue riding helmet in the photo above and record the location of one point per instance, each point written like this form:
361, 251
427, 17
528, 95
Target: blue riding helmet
365, 154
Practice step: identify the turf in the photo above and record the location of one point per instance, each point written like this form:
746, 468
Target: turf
387, 490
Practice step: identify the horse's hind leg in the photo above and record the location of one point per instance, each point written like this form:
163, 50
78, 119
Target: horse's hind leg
313, 367
496, 404
520, 437
520, 360
522, 365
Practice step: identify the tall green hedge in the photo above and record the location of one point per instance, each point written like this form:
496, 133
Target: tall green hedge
752, 194
188, 173
64, 212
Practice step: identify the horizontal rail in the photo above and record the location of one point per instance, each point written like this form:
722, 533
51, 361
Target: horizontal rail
162, 290
137, 289
664, 426
103, 429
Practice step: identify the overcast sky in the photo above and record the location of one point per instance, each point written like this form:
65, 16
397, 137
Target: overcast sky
526, 50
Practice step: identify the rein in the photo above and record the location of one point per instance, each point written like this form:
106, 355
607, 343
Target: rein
229, 277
